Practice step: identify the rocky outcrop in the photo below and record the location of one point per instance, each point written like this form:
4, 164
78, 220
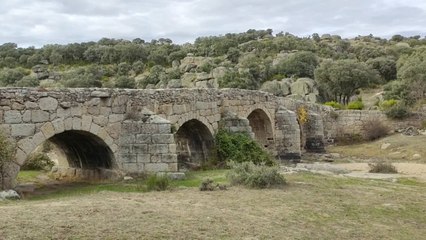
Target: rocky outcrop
300, 89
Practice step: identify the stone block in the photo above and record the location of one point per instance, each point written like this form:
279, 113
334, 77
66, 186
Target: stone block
63, 113
169, 158
59, 126
156, 167
17, 106
128, 158
48, 103
95, 128
48, 130
26, 117
144, 158
143, 138
172, 167
22, 130
100, 120
140, 148
131, 167
172, 148
38, 116
20, 157
179, 109
114, 130
26, 145
114, 118
158, 148
12, 116
164, 128
86, 122
68, 124
31, 105
163, 138
127, 139
76, 123
38, 138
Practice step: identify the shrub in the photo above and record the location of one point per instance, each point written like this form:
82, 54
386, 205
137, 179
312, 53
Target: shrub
158, 183
387, 104
382, 167
255, 176
6, 156
38, 161
356, 105
398, 111
334, 105
239, 147
374, 129
207, 185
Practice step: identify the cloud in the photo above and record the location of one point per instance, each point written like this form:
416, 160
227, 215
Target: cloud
40, 22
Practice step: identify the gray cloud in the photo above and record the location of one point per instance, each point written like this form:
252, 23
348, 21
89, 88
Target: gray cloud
40, 22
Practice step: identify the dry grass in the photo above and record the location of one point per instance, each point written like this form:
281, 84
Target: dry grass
310, 207
402, 148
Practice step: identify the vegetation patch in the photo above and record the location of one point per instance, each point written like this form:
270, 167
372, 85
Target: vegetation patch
382, 167
239, 147
374, 129
255, 176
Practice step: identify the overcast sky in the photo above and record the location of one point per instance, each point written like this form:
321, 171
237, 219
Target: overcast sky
39, 22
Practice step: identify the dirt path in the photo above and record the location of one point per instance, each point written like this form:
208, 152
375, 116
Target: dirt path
416, 170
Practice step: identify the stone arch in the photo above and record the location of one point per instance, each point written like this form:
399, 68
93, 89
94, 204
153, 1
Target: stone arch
79, 140
262, 127
187, 117
195, 144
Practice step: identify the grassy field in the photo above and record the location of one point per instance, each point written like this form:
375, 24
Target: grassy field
311, 206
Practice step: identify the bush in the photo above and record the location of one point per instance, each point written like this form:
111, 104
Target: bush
158, 183
6, 156
255, 176
382, 167
374, 129
356, 105
387, 104
239, 147
38, 161
398, 111
334, 105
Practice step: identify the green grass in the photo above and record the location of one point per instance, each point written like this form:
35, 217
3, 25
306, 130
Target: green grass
29, 175
193, 179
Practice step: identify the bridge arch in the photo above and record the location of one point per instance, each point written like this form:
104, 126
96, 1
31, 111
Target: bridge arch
262, 127
195, 144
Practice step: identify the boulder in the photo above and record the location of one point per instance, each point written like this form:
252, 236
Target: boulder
188, 80
278, 88
219, 72
9, 194
174, 83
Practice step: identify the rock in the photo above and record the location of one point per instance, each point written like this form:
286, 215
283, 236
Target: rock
416, 156
188, 80
219, 72
385, 146
127, 178
174, 83
9, 194
411, 131
303, 86
278, 88
48, 103
100, 94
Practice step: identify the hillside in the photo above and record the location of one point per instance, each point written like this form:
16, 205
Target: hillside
314, 68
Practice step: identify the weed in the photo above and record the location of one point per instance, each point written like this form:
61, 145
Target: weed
255, 176
382, 167
158, 183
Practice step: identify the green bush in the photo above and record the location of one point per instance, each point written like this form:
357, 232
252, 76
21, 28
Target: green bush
255, 176
334, 105
382, 167
356, 105
239, 147
158, 183
398, 111
387, 104
38, 161
374, 129
6, 156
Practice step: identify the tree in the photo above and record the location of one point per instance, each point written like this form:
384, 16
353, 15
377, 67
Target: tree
339, 80
412, 71
385, 66
299, 64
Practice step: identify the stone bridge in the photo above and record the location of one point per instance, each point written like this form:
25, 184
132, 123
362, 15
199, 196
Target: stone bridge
139, 131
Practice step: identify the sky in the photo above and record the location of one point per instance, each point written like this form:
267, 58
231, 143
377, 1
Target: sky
40, 22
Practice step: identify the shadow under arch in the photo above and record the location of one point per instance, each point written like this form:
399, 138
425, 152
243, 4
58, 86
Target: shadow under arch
84, 150
262, 127
195, 144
